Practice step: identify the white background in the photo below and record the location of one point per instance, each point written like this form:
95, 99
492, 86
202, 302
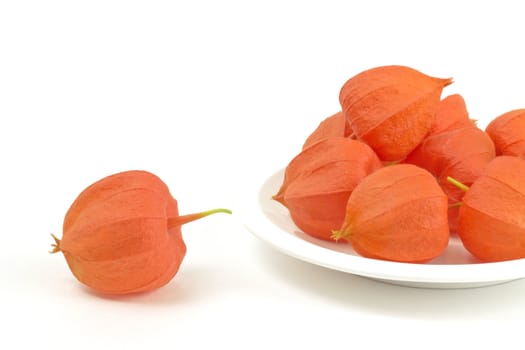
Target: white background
205, 93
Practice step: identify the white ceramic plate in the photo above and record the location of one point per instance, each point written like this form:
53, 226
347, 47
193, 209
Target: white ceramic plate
456, 268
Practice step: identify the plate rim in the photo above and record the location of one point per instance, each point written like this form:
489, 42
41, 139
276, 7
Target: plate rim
253, 217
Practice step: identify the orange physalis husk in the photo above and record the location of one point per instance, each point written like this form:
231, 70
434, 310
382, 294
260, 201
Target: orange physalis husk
332, 126
313, 157
391, 108
451, 114
492, 213
398, 213
460, 153
508, 133
319, 180
122, 234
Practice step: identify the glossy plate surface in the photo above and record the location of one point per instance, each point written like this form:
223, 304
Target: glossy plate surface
455, 268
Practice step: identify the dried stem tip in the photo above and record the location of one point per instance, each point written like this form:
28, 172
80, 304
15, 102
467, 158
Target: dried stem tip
56, 245
343, 233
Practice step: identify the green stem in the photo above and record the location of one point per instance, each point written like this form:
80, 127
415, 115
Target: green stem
184, 219
455, 205
458, 184
391, 162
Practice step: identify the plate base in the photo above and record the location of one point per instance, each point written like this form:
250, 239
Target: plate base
434, 285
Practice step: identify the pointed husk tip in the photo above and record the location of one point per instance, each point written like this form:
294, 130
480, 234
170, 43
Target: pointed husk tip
447, 81
279, 197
